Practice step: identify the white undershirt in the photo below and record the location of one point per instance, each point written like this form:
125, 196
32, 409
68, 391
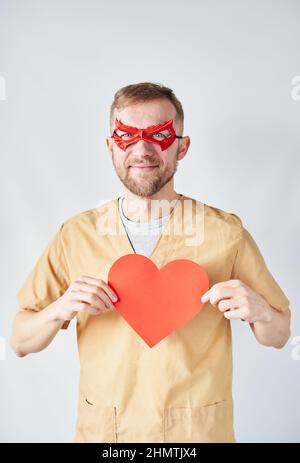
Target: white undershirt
142, 235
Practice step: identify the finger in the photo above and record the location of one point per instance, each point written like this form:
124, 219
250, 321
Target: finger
111, 294
90, 298
205, 296
235, 314
218, 286
229, 304
100, 284
219, 293
84, 307
94, 290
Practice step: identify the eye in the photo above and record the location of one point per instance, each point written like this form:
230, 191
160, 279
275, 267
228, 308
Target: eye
127, 135
124, 134
159, 135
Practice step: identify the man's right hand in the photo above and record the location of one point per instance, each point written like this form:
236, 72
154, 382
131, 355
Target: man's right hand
88, 295
34, 330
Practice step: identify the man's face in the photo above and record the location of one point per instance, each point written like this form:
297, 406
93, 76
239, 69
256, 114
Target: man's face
143, 167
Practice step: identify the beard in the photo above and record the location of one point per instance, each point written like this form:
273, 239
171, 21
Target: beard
146, 184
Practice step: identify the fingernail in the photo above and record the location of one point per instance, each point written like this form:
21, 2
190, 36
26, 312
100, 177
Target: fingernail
115, 298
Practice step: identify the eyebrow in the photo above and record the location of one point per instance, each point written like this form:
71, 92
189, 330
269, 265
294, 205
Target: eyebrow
160, 122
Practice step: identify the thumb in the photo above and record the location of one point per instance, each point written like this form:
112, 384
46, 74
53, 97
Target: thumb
205, 296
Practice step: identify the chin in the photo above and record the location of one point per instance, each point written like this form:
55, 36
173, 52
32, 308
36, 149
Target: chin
142, 190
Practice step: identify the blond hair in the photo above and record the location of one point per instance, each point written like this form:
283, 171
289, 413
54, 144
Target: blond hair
145, 91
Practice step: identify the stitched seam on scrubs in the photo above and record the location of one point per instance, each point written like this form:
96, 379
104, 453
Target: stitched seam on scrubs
240, 243
172, 247
62, 252
115, 424
37, 306
167, 225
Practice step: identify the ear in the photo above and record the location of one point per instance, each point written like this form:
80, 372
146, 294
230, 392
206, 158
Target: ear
109, 142
183, 147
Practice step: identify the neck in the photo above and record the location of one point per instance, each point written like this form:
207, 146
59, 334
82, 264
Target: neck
145, 209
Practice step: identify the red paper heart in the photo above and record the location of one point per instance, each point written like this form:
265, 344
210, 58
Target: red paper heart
157, 302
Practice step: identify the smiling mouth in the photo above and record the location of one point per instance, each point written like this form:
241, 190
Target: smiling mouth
150, 167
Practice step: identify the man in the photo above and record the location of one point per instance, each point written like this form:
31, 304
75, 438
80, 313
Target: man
180, 390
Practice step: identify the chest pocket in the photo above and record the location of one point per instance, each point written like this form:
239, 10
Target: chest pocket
208, 423
95, 423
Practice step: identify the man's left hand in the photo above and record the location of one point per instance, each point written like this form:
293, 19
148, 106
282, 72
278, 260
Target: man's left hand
237, 301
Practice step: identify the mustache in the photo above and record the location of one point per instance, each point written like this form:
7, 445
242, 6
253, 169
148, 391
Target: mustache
148, 161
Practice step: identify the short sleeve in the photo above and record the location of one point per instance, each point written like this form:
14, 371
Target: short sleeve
250, 267
48, 279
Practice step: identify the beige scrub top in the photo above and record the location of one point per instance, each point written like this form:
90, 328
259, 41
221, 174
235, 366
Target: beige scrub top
180, 390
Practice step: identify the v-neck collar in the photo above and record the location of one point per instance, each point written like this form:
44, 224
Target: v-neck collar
164, 236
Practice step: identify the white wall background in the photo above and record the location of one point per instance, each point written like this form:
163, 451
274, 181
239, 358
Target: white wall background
231, 64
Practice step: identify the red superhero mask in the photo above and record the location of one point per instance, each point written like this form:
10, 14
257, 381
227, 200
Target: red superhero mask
151, 134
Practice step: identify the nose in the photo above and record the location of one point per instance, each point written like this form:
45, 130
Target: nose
143, 147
